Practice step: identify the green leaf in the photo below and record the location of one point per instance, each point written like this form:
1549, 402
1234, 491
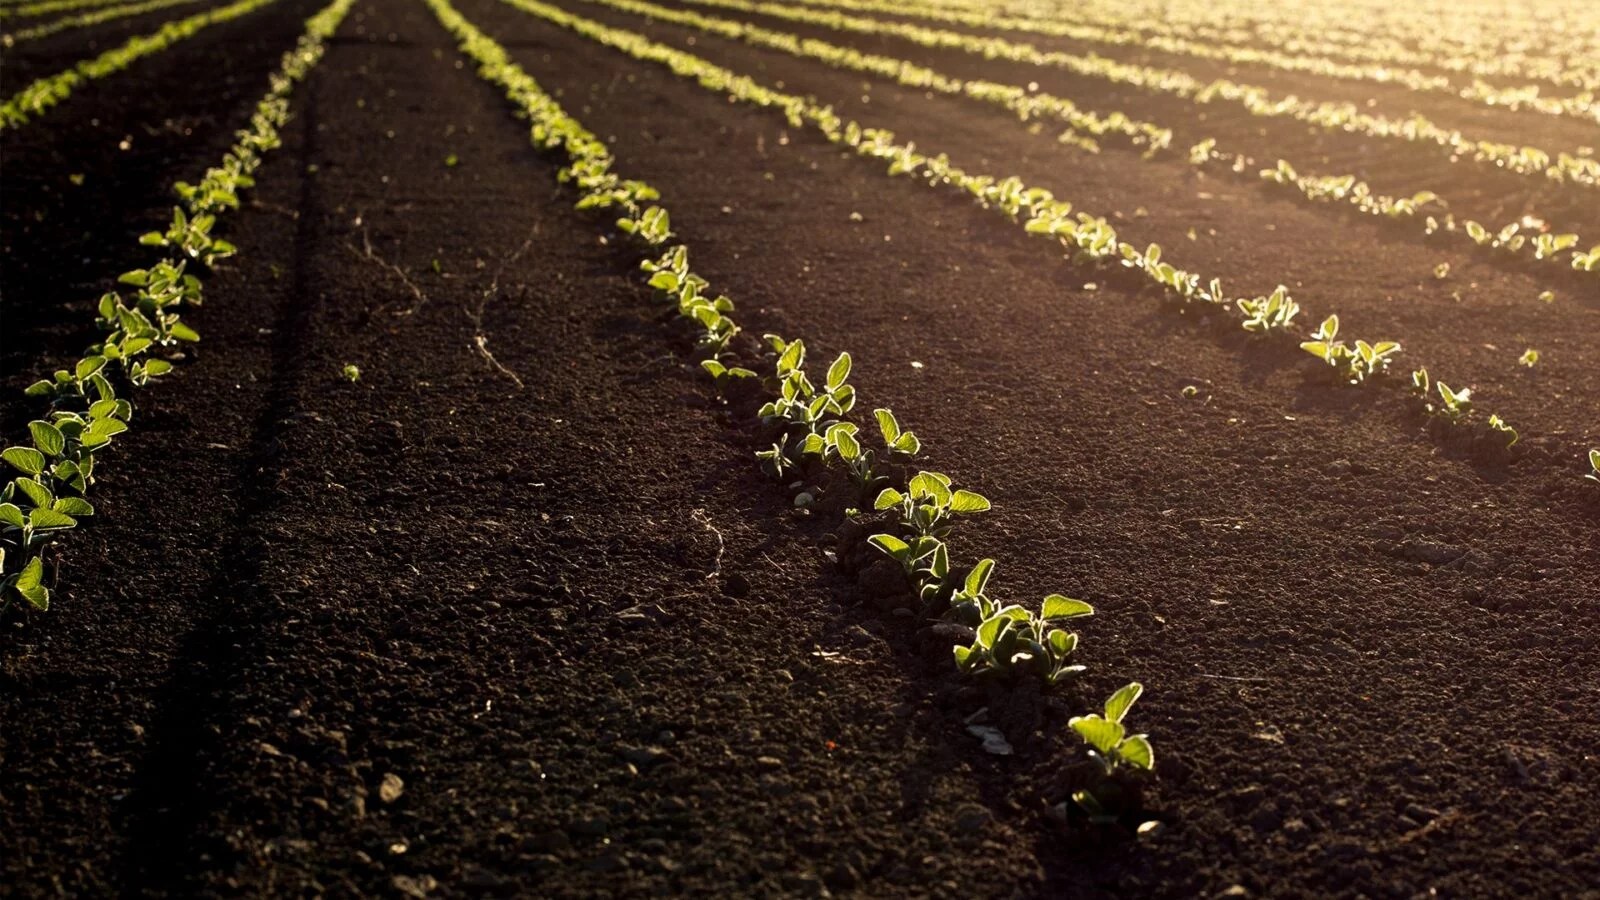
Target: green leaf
968, 502
978, 578
1119, 703
1062, 643
26, 459
184, 333
1136, 751
839, 371
73, 506
47, 438
849, 447
1319, 349
1057, 606
1102, 734
30, 584
107, 427
49, 518
930, 485
11, 514
889, 425
793, 357
889, 544
990, 629
887, 498
89, 365
37, 493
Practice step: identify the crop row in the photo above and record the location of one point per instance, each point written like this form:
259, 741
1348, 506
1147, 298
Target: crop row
1438, 36
812, 421
89, 18
38, 97
1580, 106
45, 7
85, 412
1088, 239
1258, 101
1084, 125
1163, 33
1559, 248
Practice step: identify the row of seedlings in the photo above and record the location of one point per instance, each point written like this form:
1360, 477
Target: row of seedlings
40, 96
1088, 239
811, 420
87, 406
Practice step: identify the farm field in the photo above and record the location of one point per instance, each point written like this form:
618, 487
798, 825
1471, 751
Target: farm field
936, 448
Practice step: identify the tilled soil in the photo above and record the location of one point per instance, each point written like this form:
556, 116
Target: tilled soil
515, 613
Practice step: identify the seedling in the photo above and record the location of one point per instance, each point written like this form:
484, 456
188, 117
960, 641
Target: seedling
1499, 424
351, 372
842, 441
1012, 640
1441, 271
925, 560
1359, 363
1529, 357
1113, 749
928, 505
801, 407
1454, 405
1274, 312
1594, 466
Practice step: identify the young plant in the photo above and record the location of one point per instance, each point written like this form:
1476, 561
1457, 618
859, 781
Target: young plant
27, 583
1113, 750
1499, 424
842, 441
1529, 357
1359, 362
1012, 640
1594, 466
928, 505
1454, 405
925, 560
800, 405
1270, 313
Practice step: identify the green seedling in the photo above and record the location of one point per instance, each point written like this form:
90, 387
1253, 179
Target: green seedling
351, 372
928, 505
1270, 313
841, 441
1454, 405
1112, 749
1499, 424
801, 407
776, 459
1594, 466
1012, 640
1358, 363
925, 559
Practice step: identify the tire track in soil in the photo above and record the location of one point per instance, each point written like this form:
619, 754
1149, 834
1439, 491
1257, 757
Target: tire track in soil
1391, 166
1187, 525
166, 795
1380, 287
528, 636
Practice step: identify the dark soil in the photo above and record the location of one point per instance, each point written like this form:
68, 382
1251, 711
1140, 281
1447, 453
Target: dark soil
532, 623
